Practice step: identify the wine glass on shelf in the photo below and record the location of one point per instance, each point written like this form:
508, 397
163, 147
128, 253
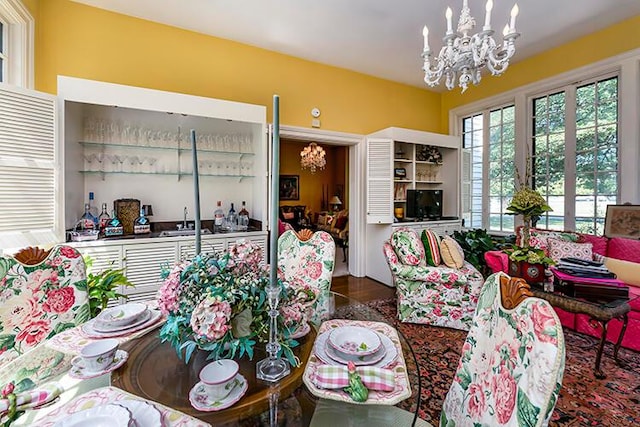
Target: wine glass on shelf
89, 159
100, 161
119, 158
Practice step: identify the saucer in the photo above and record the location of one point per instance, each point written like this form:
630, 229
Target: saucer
202, 402
301, 332
320, 350
89, 330
78, 370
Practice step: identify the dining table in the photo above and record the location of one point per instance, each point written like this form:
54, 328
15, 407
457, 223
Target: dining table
154, 373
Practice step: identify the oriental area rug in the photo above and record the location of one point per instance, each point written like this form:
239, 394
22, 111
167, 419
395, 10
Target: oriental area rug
584, 400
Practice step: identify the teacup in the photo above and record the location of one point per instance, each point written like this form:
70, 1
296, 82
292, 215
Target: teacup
217, 378
99, 355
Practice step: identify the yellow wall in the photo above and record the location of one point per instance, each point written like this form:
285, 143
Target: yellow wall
76, 40
311, 185
594, 47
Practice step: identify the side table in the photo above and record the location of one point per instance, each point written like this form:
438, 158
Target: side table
600, 312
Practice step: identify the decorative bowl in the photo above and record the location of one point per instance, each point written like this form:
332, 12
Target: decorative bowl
354, 340
122, 315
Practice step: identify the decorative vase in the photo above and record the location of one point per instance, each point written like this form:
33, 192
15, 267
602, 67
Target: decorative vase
531, 273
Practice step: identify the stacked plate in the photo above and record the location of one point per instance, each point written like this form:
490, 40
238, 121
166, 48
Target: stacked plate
356, 344
125, 413
121, 320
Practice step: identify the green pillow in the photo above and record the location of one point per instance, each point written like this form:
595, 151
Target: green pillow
431, 243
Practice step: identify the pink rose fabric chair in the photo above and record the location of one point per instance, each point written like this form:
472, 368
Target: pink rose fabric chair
439, 296
512, 362
40, 298
305, 262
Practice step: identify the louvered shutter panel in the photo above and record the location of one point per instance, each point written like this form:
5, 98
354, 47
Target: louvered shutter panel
28, 182
143, 267
466, 183
379, 181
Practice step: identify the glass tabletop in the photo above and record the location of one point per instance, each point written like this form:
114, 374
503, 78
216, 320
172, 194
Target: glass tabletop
155, 372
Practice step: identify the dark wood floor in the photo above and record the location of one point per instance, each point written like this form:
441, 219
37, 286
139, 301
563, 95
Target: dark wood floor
361, 289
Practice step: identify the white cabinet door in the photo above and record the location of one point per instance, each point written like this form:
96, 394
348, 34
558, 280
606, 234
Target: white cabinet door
379, 181
187, 250
103, 257
143, 265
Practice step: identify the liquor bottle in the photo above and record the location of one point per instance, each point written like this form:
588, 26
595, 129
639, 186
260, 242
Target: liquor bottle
141, 225
104, 218
243, 217
92, 207
114, 226
87, 221
232, 219
218, 218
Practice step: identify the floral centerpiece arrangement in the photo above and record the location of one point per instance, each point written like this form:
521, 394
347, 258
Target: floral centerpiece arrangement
531, 205
218, 303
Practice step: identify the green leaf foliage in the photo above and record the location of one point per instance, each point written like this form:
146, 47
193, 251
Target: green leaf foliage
474, 244
103, 286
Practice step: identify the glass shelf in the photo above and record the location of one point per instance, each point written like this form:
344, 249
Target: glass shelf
164, 173
403, 160
429, 182
421, 162
406, 181
157, 147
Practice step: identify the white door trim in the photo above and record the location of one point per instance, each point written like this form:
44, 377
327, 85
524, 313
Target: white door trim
357, 220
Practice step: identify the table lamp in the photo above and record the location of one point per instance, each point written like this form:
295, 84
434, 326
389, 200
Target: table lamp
336, 202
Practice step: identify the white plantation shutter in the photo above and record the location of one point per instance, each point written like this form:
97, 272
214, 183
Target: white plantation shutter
466, 183
379, 181
27, 168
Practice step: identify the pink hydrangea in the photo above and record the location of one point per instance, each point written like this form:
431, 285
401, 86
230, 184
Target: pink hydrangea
168, 292
210, 318
292, 314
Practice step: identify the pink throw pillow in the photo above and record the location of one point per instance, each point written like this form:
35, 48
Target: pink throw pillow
624, 249
600, 243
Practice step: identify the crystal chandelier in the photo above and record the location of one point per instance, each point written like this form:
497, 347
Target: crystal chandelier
312, 157
463, 56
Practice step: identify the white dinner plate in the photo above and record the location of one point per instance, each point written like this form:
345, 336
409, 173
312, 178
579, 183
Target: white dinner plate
143, 413
102, 326
89, 330
98, 416
319, 348
344, 359
122, 315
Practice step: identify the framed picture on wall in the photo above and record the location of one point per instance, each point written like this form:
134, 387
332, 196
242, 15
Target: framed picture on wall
289, 187
622, 221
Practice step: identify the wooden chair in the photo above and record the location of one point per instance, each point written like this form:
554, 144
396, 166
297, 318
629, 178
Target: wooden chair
512, 362
43, 292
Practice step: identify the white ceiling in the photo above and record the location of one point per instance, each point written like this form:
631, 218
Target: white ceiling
382, 38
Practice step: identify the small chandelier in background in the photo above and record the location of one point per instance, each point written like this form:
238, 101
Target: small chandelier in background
463, 56
312, 157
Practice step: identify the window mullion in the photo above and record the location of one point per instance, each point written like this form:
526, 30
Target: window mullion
570, 159
485, 170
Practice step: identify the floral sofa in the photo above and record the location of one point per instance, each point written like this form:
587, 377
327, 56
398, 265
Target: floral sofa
620, 255
41, 300
439, 296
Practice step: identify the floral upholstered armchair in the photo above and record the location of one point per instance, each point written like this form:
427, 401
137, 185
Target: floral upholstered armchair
512, 362
439, 296
305, 263
40, 297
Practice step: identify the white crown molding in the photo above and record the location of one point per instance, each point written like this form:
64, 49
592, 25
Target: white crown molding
318, 135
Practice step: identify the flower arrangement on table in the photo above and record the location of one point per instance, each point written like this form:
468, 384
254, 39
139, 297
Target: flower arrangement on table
218, 303
531, 205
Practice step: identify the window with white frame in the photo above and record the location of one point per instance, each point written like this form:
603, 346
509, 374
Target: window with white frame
16, 44
574, 137
489, 168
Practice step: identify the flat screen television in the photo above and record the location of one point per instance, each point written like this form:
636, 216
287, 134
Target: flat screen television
424, 204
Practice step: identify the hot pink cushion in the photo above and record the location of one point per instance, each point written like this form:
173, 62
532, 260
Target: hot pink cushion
624, 249
600, 243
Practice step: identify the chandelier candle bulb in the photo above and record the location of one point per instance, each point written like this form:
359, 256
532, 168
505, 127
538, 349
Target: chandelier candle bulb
505, 30
514, 13
449, 14
425, 34
487, 16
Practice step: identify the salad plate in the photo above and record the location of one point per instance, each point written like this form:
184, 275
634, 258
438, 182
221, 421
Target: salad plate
344, 359
102, 326
201, 401
121, 315
80, 371
301, 331
98, 416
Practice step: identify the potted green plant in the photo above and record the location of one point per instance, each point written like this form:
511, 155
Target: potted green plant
475, 243
103, 286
